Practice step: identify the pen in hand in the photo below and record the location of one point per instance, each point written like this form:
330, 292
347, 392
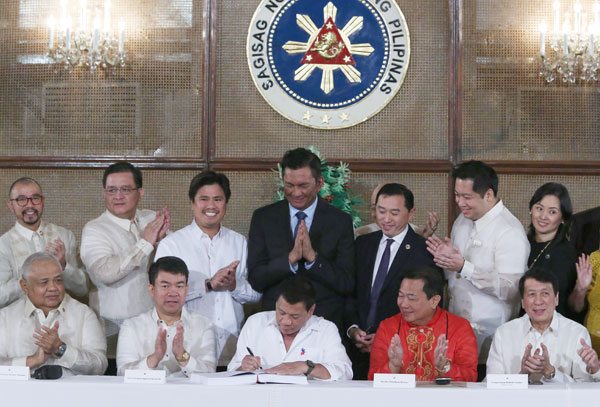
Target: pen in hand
252, 354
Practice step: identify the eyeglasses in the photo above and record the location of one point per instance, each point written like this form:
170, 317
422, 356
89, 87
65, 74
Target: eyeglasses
22, 200
123, 190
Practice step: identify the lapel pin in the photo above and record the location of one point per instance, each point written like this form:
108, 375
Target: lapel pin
407, 247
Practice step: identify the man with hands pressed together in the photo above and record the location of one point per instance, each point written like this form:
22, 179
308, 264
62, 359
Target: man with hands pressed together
168, 336
216, 258
542, 343
47, 326
291, 340
423, 339
302, 234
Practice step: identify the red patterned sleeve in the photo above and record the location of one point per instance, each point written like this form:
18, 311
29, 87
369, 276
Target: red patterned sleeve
464, 354
379, 349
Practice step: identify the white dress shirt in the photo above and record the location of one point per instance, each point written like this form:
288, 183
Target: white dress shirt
204, 257
78, 328
561, 338
397, 242
117, 261
495, 249
137, 340
318, 340
20, 242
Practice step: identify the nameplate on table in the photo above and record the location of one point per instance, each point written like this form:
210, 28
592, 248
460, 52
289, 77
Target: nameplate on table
14, 373
145, 376
507, 381
397, 381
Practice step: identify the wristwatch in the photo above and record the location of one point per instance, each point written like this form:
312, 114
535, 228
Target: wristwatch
311, 366
62, 348
184, 358
446, 367
551, 375
209, 287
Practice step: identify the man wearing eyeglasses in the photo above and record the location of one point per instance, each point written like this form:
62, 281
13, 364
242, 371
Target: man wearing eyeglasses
118, 246
31, 234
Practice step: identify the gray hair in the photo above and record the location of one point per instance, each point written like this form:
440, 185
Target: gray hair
34, 258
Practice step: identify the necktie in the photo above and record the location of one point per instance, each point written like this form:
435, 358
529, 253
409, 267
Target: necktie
301, 216
382, 271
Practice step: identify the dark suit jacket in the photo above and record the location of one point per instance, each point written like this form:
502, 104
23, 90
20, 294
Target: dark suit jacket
585, 231
332, 275
411, 253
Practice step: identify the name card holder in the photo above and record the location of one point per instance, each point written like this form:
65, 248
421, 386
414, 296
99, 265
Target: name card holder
507, 381
145, 376
14, 373
394, 380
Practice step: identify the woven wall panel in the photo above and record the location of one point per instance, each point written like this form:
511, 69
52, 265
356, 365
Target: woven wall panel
509, 112
73, 197
251, 190
517, 190
150, 108
430, 191
413, 125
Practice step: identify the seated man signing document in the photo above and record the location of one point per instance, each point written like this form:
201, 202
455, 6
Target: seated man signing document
291, 340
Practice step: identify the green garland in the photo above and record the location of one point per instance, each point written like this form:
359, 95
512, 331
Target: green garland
336, 184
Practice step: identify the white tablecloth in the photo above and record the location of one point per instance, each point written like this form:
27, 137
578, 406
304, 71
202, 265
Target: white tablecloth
102, 391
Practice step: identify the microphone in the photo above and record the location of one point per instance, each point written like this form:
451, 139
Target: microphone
48, 372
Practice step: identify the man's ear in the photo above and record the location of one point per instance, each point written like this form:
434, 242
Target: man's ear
435, 300
24, 286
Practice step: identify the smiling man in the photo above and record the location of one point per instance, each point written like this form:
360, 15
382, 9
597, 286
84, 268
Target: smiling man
382, 259
423, 339
47, 326
291, 340
485, 257
216, 257
118, 246
167, 337
303, 234
31, 234
542, 343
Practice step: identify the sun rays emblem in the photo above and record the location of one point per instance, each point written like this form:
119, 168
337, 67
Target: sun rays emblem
327, 64
328, 48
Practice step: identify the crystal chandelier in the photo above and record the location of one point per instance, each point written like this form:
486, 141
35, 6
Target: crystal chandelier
573, 52
93, 46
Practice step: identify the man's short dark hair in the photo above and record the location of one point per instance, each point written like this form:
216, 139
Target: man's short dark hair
541, 275
24, 180
123, 166
209, 178
300, 158
433, 282
298, 289
398, 189
483, 176
168, 264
